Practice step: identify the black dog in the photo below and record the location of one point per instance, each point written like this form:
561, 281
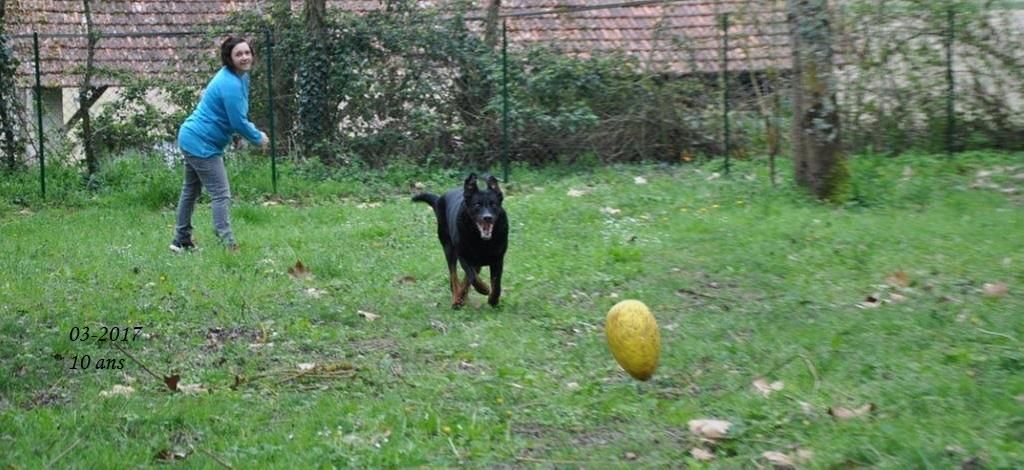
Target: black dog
473, 229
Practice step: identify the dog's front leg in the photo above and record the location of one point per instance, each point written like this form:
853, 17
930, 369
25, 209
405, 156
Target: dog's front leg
495, 295
453, 283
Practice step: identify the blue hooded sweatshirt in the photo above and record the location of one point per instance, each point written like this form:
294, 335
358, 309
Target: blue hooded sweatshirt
222, 111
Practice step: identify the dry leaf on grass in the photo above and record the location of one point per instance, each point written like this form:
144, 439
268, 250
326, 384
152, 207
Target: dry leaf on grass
701, 454
871, 301
709, 428
640, 180
575, 193
841, 413
191, 389
778, 459
898, 279
369, 316
306, 366
118, 391
997, 289
610, 210
168, 455
299, 271
765, 388
314, 292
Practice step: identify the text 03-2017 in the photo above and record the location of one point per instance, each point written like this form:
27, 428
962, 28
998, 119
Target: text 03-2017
105, 333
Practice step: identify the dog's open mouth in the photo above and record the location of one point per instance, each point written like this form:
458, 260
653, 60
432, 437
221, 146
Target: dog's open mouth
486, 229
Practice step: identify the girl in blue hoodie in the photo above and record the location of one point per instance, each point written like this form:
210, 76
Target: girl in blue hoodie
222, 111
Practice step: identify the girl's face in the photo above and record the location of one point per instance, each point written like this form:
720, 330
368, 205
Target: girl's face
241, 57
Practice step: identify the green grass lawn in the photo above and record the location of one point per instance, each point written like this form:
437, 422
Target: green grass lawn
891, 302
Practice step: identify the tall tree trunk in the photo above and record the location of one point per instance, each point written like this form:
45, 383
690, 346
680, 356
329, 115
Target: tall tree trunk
84, 92
491, 23
284, 77
817, 153
314, 118
8, 96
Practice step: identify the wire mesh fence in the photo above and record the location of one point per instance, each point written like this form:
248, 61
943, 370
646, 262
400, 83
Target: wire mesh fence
572, 82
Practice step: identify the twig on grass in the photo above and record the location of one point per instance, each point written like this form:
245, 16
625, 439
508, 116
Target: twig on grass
552, 461
143, 366
62, 454
214, 457
1001, 335
814, 372
454, 450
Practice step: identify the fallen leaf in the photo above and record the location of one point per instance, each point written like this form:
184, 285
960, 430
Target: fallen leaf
894, 297
841, 413
306, 366
1020, 398
629, 456
191, 389
368, 205
898, 279
118, 391
299, 271
871, 301
610, 210
807, 408
406, 279
701, 454
713, 176
640, 180
172, 382
765, 388
169, 455
908, 171
778, 459
270, 203
709, 428
575, 193
314, 292
25, 212
998, 289
804, 455
367, 315
419, 186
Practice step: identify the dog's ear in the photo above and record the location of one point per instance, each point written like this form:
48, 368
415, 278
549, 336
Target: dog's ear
469, 186
492, 184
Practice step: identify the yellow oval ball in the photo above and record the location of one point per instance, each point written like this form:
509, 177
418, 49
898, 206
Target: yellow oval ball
633, 338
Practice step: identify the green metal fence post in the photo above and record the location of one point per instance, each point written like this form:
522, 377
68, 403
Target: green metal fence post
504, 97
725, 88
39, 117
270, 107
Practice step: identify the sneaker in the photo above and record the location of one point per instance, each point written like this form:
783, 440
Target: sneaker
179, 247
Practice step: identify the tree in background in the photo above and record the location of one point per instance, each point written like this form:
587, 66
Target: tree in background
820, 165
85, 92
9, 102
314, 122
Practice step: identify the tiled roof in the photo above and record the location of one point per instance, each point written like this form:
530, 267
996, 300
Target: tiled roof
678, 36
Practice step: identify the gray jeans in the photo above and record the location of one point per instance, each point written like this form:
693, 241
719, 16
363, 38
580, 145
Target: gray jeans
208, 173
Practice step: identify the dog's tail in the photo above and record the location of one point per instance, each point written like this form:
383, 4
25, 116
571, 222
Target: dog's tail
427, 198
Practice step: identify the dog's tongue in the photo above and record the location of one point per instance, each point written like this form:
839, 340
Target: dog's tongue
485, 229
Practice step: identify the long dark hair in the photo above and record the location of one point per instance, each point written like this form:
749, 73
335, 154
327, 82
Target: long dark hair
225, 51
